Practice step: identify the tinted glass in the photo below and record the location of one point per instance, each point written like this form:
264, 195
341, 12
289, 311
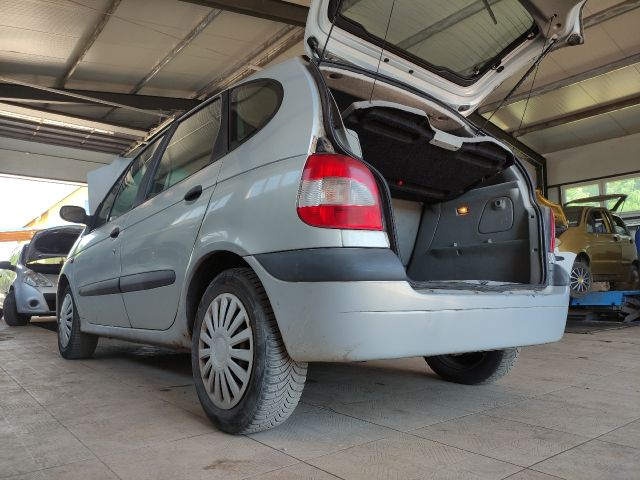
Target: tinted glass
189, 149
130, 183
459, 36
596, 222
252, 106
573, 215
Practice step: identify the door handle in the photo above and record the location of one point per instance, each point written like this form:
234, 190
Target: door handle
616, 238
193, 194
115, 232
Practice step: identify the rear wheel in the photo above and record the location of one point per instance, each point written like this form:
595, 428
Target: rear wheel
581, 279
72, 343
11, 314
475, 367
244, 377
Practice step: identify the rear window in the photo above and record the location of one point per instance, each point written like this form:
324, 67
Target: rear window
458, 37
253, 105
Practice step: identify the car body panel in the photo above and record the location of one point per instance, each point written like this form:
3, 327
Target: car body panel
353, 321
96, 263
610, 254
366, 53
159, 236
252, 210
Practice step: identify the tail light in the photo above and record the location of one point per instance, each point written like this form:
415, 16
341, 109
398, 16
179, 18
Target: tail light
552, 232
339, 192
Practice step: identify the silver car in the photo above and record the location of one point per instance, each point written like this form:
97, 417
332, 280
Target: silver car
29, 279
336, 207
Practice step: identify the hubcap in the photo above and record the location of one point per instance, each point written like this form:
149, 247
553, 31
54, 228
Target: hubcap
580, 281
65, 320
225, 351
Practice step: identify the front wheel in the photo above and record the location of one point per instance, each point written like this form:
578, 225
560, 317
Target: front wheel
580, 280
244, 377
11, 314
475, 367
72, 343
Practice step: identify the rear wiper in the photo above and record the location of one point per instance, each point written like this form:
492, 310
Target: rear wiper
488, 7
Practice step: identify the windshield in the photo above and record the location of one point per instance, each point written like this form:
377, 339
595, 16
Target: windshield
458, 38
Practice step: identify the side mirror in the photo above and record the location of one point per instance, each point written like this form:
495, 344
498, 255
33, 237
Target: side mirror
74, 214
7, 266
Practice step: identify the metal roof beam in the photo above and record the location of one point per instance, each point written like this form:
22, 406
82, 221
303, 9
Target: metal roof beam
577, 116
565, 82
17, 93
202, 24
282, 41
611, 12
445, 23
275, 10
590, 21
88, 43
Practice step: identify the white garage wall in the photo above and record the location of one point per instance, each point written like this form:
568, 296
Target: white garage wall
617, 156
32, 159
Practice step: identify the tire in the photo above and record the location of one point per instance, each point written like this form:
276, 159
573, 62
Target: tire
72, 343
580, 279
474, 368
10, 311
633, 282
268, 383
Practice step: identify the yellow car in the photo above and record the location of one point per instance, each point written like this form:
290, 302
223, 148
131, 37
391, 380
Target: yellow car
605, 248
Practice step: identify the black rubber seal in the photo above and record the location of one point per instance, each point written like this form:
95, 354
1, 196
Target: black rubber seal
334, 265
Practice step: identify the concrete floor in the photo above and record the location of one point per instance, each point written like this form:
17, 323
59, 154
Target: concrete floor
568, 410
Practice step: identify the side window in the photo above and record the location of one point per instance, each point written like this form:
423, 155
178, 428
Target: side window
130, 183
596, 222
619, 226
105, 208
252, 106
190, 147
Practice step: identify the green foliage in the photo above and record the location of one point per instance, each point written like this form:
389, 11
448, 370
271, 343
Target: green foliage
583, 191
630, 187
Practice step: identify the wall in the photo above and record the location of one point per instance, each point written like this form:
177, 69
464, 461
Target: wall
610, 157
32, 159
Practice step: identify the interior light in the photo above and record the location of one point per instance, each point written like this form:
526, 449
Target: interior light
462, 210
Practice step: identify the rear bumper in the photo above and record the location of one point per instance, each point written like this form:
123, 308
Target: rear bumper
366, 320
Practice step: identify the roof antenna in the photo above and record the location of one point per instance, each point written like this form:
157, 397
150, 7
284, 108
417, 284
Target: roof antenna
534, 66
384, 44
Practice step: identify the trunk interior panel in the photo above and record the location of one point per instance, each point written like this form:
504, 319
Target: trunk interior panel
490, 242
462, 213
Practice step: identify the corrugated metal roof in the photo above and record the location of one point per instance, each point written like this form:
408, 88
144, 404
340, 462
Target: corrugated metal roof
39, 40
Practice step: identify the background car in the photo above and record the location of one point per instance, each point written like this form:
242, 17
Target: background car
29, 278
605, 248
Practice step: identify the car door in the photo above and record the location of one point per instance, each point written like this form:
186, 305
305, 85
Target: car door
97, 259
627, 246
602, 249
161, 232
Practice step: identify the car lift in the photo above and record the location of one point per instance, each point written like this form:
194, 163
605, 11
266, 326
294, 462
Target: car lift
619, 303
